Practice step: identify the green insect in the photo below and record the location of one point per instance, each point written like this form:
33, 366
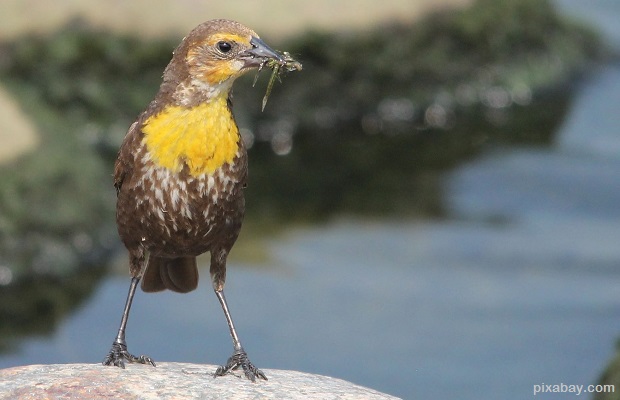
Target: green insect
288, 64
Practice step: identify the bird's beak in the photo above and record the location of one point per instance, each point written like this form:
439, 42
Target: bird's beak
259, 53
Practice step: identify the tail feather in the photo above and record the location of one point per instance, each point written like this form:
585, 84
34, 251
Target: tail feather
176, 274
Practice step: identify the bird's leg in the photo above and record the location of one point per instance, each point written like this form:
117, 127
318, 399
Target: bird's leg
239, 357
118, 353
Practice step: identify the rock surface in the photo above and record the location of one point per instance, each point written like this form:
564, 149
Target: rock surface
17, 132
168, 381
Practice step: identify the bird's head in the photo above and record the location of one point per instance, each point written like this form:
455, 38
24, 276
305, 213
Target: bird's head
210, 58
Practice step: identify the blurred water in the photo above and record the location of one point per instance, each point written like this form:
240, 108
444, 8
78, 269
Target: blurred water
519, 288
604, 13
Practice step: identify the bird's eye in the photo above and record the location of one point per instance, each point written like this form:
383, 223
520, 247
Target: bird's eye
224, 47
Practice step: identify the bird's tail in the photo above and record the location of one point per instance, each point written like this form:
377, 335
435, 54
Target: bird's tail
176, 274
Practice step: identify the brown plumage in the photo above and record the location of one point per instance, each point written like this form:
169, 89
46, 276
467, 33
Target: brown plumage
175, 215
181, 172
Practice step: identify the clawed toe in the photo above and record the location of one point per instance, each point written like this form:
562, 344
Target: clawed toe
240, 359
118, 355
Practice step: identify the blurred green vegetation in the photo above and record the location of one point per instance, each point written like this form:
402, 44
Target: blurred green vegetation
367, 127
504, 43
611, 377
376, 116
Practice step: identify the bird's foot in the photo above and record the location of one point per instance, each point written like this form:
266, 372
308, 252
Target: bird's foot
118, 355
240, 359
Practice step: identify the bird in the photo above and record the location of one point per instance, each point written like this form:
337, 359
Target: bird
180, 176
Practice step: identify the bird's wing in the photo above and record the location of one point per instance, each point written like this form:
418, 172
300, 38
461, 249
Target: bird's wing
124, 164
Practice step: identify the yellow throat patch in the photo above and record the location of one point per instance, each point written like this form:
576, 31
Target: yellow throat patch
205, 137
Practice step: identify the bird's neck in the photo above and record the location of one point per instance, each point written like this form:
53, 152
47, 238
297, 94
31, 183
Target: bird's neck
204, 137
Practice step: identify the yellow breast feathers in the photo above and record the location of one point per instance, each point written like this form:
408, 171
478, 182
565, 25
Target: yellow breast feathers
205, 137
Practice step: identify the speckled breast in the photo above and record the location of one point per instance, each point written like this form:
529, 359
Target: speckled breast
176, 214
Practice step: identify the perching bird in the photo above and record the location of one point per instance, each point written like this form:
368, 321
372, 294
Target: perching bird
181, 172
